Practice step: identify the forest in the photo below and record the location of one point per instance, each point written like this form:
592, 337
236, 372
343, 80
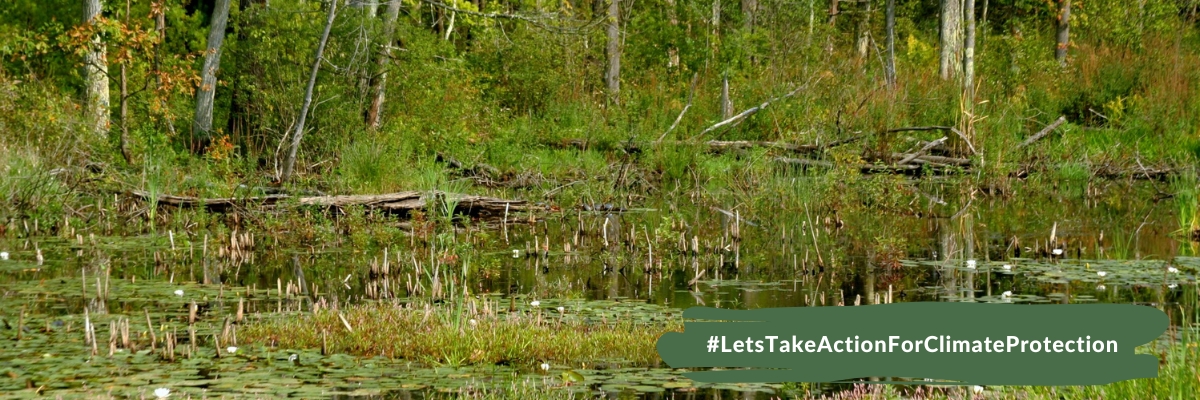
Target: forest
496, 197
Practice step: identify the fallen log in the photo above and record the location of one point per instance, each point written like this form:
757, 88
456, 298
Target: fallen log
1045, 131
865, 168
753, 110
713, 145
401, 203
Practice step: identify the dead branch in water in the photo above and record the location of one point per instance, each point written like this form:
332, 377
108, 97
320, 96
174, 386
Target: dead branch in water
400, 203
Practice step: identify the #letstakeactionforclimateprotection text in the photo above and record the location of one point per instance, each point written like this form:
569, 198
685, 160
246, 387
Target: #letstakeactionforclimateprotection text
895, 344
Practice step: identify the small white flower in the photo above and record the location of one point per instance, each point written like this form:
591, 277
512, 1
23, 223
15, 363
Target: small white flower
1172, 286
231, 349
3, 255
1101, 273
545, 367
516, 253
977, 389
1007, 267
473, 322
535, 303
1173, 270
1007, 293
1101, 287
562, 309
971, 264
162, 393
179, 292
1057, 252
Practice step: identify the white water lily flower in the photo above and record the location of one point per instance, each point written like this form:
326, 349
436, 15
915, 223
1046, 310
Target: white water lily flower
1101, 273
545, 367
1007, 267
977, 389
1173, 270
971, 264
1172, 286
293, 357
3, 255
179, 292
562, 309
1057, 252
1007, 293
1101, 287
516, 253
231, 349
535, 303
162, 393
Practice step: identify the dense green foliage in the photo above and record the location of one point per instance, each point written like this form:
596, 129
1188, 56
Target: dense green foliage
506, 91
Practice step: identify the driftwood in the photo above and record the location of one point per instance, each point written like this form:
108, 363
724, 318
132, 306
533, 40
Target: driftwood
724, 145
937, 128
921, 152
691, 94
396, 203
752, 110
1045, 131
865, 168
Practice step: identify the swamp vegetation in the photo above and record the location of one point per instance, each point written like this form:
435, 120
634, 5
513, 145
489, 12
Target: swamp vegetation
514, 199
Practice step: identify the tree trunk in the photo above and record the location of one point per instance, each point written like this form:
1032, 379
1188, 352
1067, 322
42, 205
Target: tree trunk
1064, 25
833, 12
672, 50
749, 8
889, 71
290, 164
389, 33
125, 152
96, 73
726, 104
969, 57
864, 29
202, 123
612, 75
160, 25
952, 38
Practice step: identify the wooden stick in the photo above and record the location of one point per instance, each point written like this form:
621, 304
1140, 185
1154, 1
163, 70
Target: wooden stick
937, 128
691, 94
1045, 131
924, 149
153, 338
753, 110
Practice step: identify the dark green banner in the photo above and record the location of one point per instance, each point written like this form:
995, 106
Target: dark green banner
971, 343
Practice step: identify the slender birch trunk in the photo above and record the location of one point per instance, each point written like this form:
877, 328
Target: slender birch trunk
889, 71
290, 164
389, 33
202, 122
1064, 34
969, 55
612, 75
96, 73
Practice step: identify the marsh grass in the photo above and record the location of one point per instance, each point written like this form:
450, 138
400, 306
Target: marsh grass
445, 336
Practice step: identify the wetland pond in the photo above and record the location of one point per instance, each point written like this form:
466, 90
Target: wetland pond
593, 263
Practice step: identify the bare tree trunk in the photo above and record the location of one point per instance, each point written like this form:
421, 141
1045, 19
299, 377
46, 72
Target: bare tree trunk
125, 152
889, 71
612, 75
160, 25
96, 73
1064, 35
389, 33
290, 164
749, 9
864, 29
672, 51
833, 12
951, 36
202, 123
969, 56
716, 18
726, 104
